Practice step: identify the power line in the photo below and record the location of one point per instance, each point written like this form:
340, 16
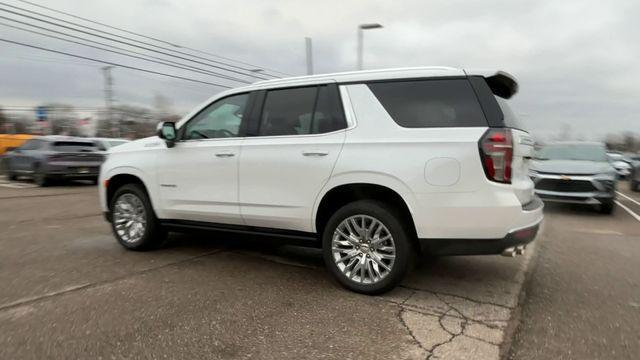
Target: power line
162, 61
126, 38
112, 63
107, 45
146, 36
128, 43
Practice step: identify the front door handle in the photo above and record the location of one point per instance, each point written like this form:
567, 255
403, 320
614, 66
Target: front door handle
225, 154
315, 153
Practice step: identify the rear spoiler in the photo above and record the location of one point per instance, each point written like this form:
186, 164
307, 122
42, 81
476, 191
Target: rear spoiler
501, 83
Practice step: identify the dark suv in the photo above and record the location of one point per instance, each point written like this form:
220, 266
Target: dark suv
51, 157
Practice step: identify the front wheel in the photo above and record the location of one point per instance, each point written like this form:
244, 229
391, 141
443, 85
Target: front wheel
133, 221
367, 248
606, 207
40, 178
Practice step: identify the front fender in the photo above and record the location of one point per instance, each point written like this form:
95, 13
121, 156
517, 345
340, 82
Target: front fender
146, 179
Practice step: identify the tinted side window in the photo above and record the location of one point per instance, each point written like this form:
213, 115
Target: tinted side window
430, 103
328, 115
301, 111
287, 111
221, 119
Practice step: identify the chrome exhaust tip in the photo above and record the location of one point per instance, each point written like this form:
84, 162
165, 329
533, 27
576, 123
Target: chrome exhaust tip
520, 249
509, 252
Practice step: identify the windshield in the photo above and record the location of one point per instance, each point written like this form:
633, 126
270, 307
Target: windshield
584, 152
73, 146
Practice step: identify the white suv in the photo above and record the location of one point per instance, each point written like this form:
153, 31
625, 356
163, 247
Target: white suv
373, 166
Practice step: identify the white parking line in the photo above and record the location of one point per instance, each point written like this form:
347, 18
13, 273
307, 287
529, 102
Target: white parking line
628, 210
628, 197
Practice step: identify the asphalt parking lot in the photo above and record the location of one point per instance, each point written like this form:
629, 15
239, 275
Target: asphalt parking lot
70, 291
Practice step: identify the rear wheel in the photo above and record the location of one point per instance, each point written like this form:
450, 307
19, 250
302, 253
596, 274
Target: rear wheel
367, 248
133, 221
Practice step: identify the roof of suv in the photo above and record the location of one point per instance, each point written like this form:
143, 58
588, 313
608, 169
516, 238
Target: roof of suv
389, 74
381, 74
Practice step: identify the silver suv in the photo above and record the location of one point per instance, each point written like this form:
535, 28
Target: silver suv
49, 158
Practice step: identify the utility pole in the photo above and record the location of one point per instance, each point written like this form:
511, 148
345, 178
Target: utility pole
108, 97
361, 29
309, 48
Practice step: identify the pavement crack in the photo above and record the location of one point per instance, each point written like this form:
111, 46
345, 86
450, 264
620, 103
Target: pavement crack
413, 336
457, 296
482, 340
72, 289
444, 327
436, 346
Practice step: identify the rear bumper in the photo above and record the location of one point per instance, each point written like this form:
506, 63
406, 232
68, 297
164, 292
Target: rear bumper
450, 247
516, 237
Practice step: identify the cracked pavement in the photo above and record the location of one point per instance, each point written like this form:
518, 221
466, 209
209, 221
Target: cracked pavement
470, 320
70, 291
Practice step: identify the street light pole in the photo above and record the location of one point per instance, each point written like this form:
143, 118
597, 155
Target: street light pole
309, 51
108, 96
361, 29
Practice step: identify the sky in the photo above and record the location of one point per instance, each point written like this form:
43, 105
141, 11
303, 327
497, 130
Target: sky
575, 61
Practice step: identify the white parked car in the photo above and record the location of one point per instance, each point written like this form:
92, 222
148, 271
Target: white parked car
373, 166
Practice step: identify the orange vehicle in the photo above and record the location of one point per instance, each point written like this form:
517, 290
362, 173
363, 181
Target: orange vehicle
12, 141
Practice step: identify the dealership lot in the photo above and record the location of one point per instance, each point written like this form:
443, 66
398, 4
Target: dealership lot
70, 291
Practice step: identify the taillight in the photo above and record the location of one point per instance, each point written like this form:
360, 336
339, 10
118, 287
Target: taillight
496, 152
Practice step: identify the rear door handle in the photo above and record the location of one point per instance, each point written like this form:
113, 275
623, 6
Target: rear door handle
225, 154
315, 153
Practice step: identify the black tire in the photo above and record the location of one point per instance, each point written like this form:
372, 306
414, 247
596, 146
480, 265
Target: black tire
153, 234
40, 178
606, 207
11, 176
404, 250
633, 184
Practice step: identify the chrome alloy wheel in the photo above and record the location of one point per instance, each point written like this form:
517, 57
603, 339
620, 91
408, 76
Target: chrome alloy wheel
363, 249
129, 218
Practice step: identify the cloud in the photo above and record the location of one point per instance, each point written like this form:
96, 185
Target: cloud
575, 60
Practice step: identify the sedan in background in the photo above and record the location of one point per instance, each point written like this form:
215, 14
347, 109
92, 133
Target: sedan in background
49, 158
575, 172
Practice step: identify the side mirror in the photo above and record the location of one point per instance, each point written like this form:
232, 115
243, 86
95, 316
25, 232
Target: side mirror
167, 131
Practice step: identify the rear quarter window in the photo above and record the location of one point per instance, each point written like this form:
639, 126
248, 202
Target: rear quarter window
430, 103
